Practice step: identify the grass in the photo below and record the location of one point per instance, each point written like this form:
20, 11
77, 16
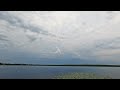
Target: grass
77, 75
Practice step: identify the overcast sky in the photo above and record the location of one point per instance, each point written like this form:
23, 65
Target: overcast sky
84, 35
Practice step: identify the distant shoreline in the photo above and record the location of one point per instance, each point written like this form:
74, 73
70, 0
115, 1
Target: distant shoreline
74, 65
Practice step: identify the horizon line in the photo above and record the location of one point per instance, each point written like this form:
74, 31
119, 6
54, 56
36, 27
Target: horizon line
87, 65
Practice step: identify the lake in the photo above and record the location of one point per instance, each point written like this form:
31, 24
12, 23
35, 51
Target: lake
49, 72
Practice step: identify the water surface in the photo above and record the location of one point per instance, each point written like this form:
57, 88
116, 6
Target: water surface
49, 72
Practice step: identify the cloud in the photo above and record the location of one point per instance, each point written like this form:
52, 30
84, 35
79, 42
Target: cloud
20, 23
109, 44
3, 37
82, 34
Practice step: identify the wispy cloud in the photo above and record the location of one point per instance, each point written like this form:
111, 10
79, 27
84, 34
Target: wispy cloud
3, 37
82, 34
20, 23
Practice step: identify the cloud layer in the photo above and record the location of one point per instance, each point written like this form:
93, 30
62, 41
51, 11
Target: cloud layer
86, 35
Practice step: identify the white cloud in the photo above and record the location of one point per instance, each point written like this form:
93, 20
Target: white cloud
82, 34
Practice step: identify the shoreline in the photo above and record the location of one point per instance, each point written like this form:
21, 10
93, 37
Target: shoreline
73, 65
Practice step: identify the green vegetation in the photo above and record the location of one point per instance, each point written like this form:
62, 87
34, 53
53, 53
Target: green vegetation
81, 76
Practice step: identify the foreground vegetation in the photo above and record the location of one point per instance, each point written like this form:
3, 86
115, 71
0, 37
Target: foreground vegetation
81, 76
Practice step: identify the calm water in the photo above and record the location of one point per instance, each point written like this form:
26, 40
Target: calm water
41, 72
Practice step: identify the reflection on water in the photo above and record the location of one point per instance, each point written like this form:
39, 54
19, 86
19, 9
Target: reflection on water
41, 72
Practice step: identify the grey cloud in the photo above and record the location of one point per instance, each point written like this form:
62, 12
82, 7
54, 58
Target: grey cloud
86, 50
111, 14
99, 45
15, 21
108, 44
3, 38
5, 43
31, 38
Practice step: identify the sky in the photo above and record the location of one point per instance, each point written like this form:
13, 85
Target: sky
60, 36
